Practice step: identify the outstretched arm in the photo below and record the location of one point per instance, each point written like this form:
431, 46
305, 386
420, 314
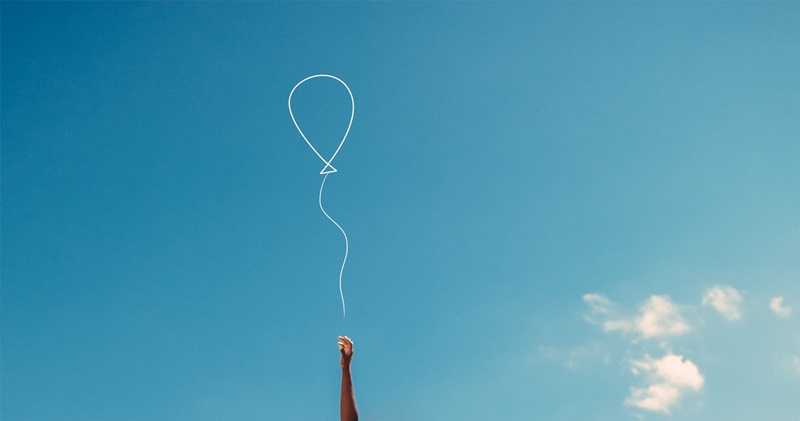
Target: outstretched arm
347, 404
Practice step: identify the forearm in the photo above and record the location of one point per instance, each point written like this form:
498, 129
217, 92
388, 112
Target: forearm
347, 404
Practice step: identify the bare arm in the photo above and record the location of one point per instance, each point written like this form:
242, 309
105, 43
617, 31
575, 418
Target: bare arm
347, 404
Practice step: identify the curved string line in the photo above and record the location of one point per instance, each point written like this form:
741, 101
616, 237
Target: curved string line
346, 244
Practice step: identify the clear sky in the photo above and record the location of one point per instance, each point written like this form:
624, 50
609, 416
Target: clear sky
556, 211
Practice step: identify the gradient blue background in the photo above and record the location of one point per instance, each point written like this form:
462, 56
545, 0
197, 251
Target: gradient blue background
164, 258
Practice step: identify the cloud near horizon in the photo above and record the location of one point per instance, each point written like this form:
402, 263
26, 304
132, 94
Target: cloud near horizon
669, 378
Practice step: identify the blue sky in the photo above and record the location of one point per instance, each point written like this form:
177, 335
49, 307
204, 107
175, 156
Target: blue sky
572, 211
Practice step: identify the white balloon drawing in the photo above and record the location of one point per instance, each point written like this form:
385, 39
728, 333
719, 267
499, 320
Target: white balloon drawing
328, 168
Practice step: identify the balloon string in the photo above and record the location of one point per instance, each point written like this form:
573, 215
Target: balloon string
346, 244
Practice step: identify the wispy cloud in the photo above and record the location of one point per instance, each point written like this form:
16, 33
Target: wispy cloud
658, 317
573, 358
776, 304
725, 299
669, 379
598, 303
582, 354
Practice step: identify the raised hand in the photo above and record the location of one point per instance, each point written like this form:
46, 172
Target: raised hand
346, 348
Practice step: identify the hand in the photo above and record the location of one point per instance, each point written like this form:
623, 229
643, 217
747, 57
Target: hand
346, 348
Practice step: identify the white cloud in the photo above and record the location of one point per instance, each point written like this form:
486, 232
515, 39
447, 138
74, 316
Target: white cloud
598, 303
670, 378
726, 300
658, 317
776, 304
796, 364
656, 397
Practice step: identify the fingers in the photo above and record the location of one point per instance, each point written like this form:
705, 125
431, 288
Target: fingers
345, 343
346, 349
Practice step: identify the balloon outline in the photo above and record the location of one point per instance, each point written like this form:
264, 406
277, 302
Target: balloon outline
350, 124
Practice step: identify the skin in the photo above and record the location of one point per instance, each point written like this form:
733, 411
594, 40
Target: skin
347, 404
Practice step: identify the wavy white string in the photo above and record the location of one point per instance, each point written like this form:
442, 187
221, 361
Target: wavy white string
346, 244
